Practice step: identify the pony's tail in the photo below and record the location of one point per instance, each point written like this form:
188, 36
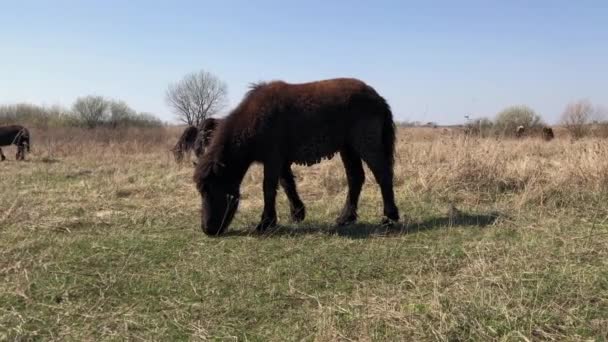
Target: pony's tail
388, 134
378, 105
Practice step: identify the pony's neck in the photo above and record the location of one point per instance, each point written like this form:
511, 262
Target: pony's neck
232, 148
236, 164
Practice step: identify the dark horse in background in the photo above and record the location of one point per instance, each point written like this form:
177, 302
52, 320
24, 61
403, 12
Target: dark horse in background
199, 144
203, 138
278, 124
194, 138
15, 135
185, 143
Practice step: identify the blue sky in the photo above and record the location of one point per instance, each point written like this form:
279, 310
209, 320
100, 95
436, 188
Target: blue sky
432, 60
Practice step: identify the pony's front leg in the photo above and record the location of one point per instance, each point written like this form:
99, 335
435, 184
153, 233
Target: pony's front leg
271, 181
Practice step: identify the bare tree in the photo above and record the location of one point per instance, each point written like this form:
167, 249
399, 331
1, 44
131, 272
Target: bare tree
197, 96
577, 116
91, 110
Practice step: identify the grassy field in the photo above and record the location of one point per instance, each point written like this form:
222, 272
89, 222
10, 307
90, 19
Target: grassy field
100, 240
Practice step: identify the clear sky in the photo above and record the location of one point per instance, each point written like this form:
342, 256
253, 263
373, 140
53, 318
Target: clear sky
432, 60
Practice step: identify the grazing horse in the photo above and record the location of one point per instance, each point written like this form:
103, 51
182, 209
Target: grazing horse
184, 143
278, 124
203, 138
519, 132
15, 135
194, 138
548, 133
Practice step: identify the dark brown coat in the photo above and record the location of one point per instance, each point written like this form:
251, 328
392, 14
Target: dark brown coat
548, 133
15, 135
278, 124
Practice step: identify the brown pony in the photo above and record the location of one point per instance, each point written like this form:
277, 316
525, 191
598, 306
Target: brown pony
15, 135
548, 134
185, 143
278, 124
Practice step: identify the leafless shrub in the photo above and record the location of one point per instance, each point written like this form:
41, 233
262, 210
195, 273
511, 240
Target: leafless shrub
197, 96
578, 116
482, 127
92, 110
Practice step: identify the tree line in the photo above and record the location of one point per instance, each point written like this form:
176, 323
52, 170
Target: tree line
581, 118
194, 98
88, 111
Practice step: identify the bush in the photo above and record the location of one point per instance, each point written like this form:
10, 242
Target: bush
578, 116
121, 115
36, 116
91, 110
482, 127
509, 119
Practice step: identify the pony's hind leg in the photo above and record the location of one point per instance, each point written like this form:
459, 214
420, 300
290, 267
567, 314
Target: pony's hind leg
2, 157
382, 170
296, 206
373, 154
356, 177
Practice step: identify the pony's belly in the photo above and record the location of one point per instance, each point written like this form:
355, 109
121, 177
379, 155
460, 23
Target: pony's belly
313, 150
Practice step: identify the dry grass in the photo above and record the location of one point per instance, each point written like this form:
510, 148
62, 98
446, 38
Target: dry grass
99, 240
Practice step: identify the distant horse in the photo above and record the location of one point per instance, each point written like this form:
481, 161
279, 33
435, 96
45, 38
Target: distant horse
185, 143
194, 138
15, 135
548, 133
204, 135
278, 124
519, 131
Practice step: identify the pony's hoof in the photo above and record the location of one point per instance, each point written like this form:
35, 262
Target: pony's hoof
265, 224
345, 220
388, 222
298, 214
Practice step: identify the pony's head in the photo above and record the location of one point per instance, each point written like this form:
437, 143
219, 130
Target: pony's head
219, 192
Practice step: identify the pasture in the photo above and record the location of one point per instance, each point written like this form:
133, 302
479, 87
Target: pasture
100, 239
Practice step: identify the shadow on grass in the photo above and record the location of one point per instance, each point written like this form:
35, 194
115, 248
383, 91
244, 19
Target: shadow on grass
362, 231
